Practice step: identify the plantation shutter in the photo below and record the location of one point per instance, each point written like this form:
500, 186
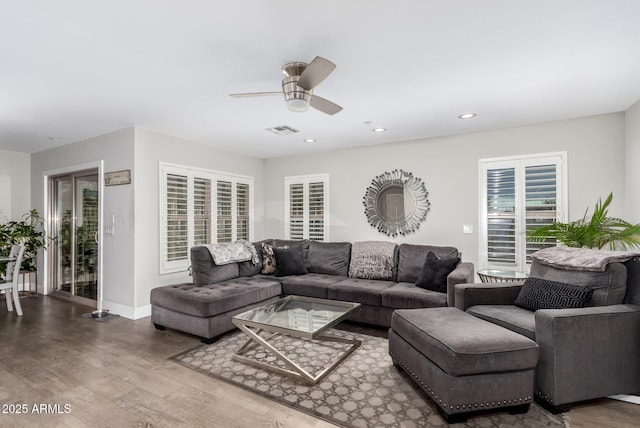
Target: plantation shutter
501, 215
200, 207
296, 211
225, 222
242, 211
177, 217
316, 211
306, 207
541, 202
201, 211
519, 194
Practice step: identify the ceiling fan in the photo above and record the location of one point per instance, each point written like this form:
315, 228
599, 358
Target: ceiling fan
297, 86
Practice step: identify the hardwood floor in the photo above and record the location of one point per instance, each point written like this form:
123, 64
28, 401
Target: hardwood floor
68, 371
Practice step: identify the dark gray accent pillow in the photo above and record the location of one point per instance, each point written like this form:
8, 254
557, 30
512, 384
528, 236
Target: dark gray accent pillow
289, 261
435, 271
537, 293
411, 258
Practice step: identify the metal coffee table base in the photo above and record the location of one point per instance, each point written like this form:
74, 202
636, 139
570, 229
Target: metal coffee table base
295, 371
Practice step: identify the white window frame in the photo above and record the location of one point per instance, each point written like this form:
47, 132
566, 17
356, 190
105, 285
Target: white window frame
166, 168
305, 180
519, 163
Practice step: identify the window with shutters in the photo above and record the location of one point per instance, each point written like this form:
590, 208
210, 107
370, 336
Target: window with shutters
519, 193
200, 207
307, 207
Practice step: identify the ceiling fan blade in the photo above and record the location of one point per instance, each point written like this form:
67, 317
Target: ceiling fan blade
315, 72
255, 94
324, 105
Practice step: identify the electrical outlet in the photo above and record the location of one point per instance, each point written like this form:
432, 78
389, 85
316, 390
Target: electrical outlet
467, 228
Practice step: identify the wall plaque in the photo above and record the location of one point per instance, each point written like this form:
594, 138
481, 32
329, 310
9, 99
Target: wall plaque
117, 178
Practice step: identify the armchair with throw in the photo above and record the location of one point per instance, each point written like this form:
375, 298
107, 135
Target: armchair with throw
582, 307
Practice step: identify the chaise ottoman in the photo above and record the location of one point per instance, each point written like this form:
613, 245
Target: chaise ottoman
463, 363
207, 310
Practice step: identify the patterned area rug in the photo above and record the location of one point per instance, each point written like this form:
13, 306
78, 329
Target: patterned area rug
366, 390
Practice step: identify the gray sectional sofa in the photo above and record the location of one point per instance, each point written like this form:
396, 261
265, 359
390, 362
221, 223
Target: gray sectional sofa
218, 292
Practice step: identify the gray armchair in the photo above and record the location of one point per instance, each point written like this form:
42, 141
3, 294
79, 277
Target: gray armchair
585, 353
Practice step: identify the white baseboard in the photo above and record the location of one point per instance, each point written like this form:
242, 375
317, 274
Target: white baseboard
635, 399
127, 311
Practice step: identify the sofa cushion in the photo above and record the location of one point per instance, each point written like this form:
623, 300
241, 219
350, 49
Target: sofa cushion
435, 272
539, 293
461, 344
289, 261
329, 257
205, 271
514, 318
365, 291
609, 287
405, 295
372, 260
213, 299
411, 259
310, 285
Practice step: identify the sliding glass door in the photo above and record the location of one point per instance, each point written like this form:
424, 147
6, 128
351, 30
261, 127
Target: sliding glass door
74, 223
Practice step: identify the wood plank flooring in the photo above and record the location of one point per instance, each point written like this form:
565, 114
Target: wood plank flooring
70, 371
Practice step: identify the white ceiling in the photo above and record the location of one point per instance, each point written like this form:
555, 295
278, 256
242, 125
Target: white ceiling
75, 69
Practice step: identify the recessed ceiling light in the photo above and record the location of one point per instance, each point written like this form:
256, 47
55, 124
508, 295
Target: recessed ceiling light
309, 140
378, 130
467, 116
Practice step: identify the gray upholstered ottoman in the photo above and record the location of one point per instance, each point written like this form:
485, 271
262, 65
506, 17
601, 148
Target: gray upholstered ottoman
463, 363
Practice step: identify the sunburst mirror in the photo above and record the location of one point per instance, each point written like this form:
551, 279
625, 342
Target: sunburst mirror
396, 203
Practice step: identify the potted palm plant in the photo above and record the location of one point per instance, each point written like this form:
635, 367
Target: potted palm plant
599, 231
28, 232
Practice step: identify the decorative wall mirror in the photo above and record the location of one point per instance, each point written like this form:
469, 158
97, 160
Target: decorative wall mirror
396, 202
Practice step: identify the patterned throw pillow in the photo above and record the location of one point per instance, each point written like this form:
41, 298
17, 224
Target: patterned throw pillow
268, 259
537, 293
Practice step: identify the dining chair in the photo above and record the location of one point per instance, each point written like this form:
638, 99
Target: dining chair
10, 284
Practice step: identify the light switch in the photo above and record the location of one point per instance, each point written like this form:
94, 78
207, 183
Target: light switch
467, 228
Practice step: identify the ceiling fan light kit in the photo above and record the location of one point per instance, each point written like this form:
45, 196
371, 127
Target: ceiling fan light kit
298, 83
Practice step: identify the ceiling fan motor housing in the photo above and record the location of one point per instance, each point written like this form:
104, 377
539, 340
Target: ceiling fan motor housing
296, 97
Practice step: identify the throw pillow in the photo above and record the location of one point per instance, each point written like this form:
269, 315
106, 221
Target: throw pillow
268, 259
435, 271
290, 261
537, 293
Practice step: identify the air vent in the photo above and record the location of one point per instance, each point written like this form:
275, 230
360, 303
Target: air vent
282, 130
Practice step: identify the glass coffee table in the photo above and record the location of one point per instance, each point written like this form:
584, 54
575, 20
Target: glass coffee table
296, 316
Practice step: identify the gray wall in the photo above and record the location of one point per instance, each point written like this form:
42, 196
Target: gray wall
448, 165
15, 185
632, 163
116, 151
151, 148
449, 168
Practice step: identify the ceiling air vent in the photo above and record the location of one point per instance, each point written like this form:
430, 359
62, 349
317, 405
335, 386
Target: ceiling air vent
282, 130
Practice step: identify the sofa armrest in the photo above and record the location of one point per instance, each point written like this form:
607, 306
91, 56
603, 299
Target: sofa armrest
495, 293
588, 352
463, 273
